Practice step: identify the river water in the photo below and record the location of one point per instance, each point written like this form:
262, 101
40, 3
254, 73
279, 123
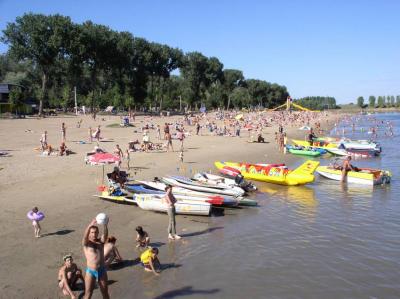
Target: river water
323, 240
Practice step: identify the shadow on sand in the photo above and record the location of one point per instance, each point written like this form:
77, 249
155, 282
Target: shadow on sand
169, 266
185, 291
123, 264
61, 232
138, 168
202, 232
156, 244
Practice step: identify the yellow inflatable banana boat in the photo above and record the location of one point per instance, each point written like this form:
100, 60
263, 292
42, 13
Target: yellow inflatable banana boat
276, 174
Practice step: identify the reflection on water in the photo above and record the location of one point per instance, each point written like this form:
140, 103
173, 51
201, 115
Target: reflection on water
302, 198
335, 189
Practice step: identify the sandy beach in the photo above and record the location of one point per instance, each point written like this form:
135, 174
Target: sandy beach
63, 188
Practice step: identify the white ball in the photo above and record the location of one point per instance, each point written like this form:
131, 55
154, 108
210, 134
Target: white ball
102, 218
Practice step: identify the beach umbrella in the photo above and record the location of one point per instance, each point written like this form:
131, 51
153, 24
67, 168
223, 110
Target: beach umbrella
103, 159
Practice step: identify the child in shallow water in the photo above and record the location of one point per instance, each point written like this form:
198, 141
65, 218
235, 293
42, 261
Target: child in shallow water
142, 238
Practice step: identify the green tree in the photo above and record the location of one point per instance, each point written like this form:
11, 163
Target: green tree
372, 101
98, 52
194, 70
66, 97
392, 101
217, 95
16, 98
39, 38
50, 55
232, 79
240, 97
317, 103
397, 101
129, 102
381, 102
360, 102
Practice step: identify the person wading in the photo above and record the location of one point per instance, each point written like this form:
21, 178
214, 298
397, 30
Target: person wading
170, 201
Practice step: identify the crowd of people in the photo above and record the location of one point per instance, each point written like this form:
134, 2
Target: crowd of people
100, 251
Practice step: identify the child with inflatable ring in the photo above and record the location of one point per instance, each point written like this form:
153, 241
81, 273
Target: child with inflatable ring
36, 216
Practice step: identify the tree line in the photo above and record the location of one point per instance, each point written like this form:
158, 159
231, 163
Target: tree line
380, 102
317, 103
50, 55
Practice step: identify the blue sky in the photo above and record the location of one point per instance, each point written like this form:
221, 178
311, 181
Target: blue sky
343, 49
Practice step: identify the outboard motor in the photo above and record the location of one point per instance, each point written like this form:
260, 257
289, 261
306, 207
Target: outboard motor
239, 179
245, 185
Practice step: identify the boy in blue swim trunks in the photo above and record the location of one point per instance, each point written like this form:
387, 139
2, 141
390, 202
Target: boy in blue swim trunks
93, 247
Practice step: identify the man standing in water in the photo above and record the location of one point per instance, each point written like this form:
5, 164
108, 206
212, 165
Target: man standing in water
346, 167
311, 137
170, 200
93, 247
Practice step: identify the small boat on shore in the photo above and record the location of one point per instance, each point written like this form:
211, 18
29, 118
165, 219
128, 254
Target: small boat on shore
365, 176
218, 180
123, 199
152, 202
274, 174
228, 201
189, 184
214, 200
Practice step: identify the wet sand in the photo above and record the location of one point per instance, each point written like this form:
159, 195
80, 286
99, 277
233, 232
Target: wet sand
62, 187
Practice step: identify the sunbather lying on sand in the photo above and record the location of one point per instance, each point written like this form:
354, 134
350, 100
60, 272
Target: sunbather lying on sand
95, 150
131, 145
